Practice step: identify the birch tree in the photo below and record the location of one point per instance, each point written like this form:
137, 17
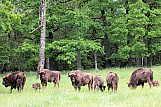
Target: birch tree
42, 39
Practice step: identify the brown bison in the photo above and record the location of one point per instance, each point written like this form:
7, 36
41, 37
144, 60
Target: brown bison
49, 76
112, 81
15, 80
141, 76
98, 81
78, 79
155, 83
36, 86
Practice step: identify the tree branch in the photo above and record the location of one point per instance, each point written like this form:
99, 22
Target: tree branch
36, 29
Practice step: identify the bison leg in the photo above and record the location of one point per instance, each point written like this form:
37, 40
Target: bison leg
112, 88
23, 84
149, 81
57, 82
11, 88
115, 87
108, 87
54, 84
19, 88
89, 86
98, 87
142, 85
75, 87
79, 87
101, 88
38, 89
94, 87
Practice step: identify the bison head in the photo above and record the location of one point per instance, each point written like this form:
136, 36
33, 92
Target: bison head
33, 85
102, 88
72, 77
131, 85
6, 82
42, 74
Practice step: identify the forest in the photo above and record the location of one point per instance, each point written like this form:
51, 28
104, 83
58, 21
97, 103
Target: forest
80, 34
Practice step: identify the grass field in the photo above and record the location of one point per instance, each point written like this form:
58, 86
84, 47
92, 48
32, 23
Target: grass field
66, 96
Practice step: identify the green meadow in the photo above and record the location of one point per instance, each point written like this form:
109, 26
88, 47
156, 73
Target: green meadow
66, 96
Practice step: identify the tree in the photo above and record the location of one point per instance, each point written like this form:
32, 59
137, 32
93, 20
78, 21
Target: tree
9, 17
42, 39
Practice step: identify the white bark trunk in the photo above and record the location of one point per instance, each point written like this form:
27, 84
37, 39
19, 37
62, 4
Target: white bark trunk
95, 59
42, 39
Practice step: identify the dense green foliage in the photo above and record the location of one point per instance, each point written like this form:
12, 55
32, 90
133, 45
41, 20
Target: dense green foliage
120, 32
66, 96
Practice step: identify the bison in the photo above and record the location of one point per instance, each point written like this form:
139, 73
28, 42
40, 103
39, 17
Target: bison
15, 80
155, 83
141, 76
98, 81
112, 81
36, 86
78, 79
49, 76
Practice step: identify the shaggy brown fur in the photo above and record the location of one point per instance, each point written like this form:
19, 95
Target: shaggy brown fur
78, 79
141, 76
49, 76
112, 81
98, 81
15, 80
155, 83
36, 86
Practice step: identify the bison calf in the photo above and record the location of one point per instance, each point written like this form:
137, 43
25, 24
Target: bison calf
155, 83
36, 86
98, 81
112, 81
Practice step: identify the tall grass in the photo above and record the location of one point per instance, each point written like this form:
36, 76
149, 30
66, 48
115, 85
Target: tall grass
66, 95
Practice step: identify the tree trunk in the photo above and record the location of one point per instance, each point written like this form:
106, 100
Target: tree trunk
138, 60
79, 61
106, 41
42, 39
130, 61
116, 51
107, 50
95, 60
128, 37
149, 59
1, 68
47, 63
145, 61
51, 61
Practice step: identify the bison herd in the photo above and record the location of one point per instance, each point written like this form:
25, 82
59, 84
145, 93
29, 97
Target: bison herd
79, 78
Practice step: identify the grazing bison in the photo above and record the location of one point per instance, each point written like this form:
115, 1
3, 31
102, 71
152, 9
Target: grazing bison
141, 76
15, 80
155, 83
36, 86
49, 76
78, 79
112, 81
98, 81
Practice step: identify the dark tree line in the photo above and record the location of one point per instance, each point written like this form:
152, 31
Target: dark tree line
82, 34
